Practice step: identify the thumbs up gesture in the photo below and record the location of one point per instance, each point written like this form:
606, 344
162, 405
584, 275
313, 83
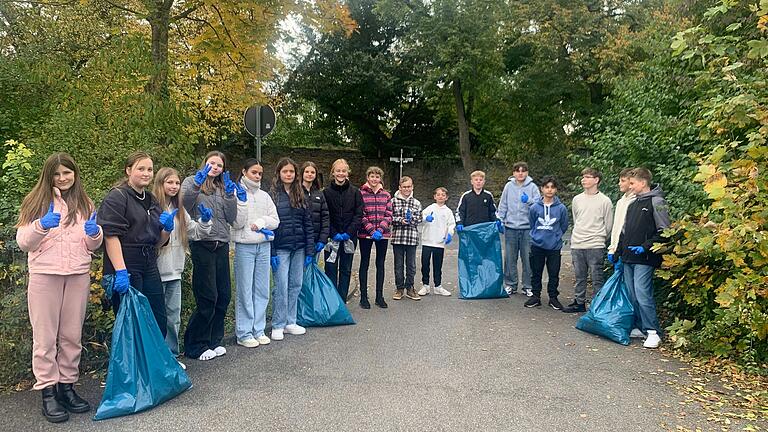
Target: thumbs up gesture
166, 219
50, 219
91, 228
430, 217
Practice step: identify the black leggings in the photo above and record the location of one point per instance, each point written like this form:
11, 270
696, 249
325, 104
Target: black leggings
365, 257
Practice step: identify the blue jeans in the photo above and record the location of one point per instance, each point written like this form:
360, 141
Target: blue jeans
172, 290
252, 284
517, 243
285, 294
639, 280
584, 262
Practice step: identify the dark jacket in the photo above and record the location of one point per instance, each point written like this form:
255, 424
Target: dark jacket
295, 229
548, 224
475, 208
321, 220
345, 206
646, 218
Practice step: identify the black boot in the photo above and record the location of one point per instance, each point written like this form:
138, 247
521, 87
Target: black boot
52, 409
364, 302
380, 300
65, 393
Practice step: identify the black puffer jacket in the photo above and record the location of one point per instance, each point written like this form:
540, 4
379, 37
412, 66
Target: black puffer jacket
345, 207
321, 220
295, 229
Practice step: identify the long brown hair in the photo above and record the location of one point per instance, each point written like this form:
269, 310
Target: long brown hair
316, 183
38, 200
210, 184
163, 200
295, 191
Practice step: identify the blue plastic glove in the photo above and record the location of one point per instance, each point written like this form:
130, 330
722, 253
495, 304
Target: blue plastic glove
229, 185
202, 174
617, 266
122, 281
267, 232
319, 246
50, 219
637, 250
274, 262
308, 260
344, 237
500, 226
611, 258
338, 238
448, 238
408, 216
91, 227
205, 213
242, 195
376, 236
524, 198
429, 217
459, 228
166, 219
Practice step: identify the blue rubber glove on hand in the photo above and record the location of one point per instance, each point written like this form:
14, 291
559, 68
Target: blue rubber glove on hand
205, 213
500, 226
448, 238
617, 265
267, 232
242, 195
166, 219
308, 260
91, 227
229, 185
344, 237
319, 246
459, 228
408, 216
122, 281
430, 217
376, 236
524, 198
274, 262
50, 219
637, 250
611, 258
338, 238
202, 174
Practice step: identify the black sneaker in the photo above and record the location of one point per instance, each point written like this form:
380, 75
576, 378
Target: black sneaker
364, 303
533, 302
554, 303
575, 308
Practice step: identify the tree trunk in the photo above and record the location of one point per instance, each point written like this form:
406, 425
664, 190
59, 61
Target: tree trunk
464, 150
159, 21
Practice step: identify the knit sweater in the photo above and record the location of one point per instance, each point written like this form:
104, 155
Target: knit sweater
592, 221
377, 212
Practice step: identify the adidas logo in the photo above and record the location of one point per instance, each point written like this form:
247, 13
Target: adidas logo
546, 223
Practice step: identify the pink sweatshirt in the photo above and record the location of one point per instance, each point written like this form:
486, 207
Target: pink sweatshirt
63, 250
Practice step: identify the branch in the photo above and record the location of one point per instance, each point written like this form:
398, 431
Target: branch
123, 8
185, 13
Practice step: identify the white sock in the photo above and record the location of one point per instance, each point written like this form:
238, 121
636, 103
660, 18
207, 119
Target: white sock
220, 351
207, 355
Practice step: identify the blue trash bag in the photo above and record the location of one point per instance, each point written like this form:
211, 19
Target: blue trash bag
611, 313
142, 371
481, 275
319, 304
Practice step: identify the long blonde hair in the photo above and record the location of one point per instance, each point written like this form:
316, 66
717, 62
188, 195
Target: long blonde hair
38, 200
158, 190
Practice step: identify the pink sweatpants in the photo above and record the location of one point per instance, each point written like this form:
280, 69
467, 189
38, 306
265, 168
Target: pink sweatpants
57, 311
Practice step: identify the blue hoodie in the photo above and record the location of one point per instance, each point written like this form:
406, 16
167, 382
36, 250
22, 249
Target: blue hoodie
512, 211
548, 224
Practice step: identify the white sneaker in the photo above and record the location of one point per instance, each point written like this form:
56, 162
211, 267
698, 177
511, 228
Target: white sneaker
636, 334
653, 340
248, 343
295, 329
263, 340
528, 292
220, 351
277, 334
508, 289
424, 290
439, 290
207, 355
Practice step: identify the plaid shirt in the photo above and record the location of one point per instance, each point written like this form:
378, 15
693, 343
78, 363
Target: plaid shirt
377, 212
405, 233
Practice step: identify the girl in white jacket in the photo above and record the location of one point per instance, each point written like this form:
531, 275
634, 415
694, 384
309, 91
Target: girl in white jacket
252, 232
436, 232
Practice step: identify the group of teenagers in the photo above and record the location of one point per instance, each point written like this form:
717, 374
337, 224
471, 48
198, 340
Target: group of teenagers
149, 222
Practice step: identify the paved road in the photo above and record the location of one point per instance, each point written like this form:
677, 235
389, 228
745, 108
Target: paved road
440, 364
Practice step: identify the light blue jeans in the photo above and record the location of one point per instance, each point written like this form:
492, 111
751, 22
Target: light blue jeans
172, 291
517, 243
285, 294
639, 280
252, 284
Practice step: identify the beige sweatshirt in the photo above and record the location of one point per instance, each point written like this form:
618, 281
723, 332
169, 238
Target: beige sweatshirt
592, 221
618, 220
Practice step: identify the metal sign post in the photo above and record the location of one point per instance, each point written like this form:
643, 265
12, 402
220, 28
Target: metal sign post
402, 161
259, 121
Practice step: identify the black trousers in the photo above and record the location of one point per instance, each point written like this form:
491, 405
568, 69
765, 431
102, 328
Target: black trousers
141, 263
551, 259
365, 257
405, 256
340, 271
212, 290
436, 254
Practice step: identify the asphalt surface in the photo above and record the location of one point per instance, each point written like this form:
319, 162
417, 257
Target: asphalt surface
439, 364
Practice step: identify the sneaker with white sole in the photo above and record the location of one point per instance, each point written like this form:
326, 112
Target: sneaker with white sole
439, 290
528, 292
653, 340
220, 351
636, 334
277, 334
251, 342
263, 340
207, 355
509, 290
295, 329
424, 290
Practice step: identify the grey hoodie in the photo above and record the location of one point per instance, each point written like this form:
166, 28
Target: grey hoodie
224, 209
512, 211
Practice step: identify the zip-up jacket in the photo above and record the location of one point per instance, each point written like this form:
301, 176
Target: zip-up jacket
404, 232
377, 212
321, 219
548, 224
170, 258
512, 211
475, 208
295, 230
345, 207
224, 209
646, 218
257, 209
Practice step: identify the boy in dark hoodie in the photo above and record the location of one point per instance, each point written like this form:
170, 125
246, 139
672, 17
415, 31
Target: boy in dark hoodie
549, 221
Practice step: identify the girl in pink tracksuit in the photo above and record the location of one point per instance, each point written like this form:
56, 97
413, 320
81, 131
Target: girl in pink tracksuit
57, 227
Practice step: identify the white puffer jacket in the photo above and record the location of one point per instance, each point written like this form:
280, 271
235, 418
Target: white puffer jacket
259, 210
